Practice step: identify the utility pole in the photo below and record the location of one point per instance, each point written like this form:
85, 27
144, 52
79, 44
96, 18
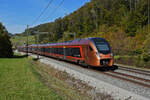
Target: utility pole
74, 34
148, 15
37, 40
135, 4
130, 5
65, 35
27, 43
64, 48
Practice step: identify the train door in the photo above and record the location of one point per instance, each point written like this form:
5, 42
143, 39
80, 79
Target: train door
90, 55
64, 52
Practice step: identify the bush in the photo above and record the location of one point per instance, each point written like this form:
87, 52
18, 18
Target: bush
131, 29
146, 57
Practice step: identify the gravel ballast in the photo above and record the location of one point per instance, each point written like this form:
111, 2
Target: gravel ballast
119, 89
93, 80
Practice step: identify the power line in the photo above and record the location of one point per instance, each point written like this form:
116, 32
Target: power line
54, 11
50, 2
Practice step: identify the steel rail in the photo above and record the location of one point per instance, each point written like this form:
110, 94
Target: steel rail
125, 79
135, 70
134, 77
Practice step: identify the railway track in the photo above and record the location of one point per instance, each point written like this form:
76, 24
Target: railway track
138, 71
125, 77
133, 77
129, 78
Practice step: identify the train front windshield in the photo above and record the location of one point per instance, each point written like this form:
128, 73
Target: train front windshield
102, 46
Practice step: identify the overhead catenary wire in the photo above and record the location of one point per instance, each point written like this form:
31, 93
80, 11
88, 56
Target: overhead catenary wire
55, 9
50, 2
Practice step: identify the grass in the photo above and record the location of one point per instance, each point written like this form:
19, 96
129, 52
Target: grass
19, 81
67, 86
58, 81
23, 78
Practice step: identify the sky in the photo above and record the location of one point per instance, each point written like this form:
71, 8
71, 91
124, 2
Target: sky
17, 14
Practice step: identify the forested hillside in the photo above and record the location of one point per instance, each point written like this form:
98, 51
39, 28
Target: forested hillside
123, 23
5, 44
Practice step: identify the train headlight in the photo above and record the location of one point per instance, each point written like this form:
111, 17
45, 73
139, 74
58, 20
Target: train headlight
98, 54
112, 55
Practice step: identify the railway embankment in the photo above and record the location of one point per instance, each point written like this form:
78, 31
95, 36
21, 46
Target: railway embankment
118, 88
67, 85
61, 84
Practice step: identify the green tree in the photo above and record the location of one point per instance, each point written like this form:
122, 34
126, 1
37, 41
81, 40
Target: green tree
5, 44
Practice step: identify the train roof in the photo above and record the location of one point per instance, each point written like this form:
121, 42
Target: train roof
82, 41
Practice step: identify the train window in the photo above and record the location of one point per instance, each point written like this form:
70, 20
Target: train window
47, 50
55, 50
103, 47
60, 51
90, 48
50, 50
68, 51
74, 52
34, 49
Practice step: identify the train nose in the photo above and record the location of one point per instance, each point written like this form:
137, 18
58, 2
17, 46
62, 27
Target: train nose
107, 56
104, 62
105, 59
